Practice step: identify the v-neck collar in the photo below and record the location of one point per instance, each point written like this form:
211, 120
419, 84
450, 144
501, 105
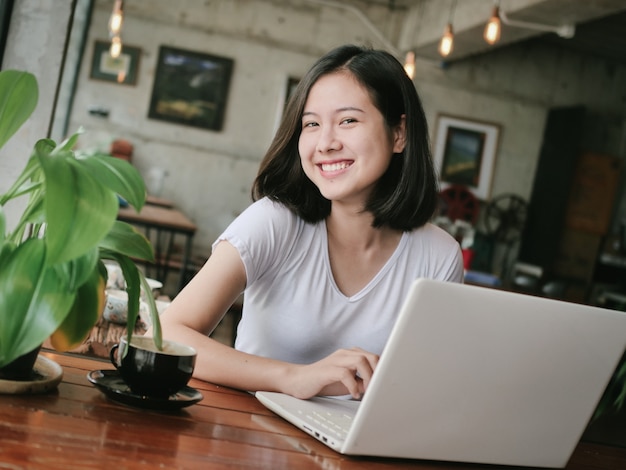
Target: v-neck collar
377, 277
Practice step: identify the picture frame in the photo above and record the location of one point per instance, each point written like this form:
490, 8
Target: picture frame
190, 88
465, 153
123, 69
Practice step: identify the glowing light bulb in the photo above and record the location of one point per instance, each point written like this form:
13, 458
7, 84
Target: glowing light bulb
116, 47
493, 28
409, 64
447, 41
117, 17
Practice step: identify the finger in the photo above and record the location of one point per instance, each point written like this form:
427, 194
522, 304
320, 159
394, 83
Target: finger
351, 382
365, 366
364, 373
371, 357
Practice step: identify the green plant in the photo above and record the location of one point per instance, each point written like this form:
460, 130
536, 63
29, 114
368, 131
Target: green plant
52, 276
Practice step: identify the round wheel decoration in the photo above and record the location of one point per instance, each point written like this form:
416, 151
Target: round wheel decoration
458, 202
504, 217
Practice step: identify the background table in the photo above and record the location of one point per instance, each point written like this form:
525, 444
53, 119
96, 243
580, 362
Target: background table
78, 427
167, 222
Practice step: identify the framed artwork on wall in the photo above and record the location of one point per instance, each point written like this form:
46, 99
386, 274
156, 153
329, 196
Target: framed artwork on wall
465, 153
190, 88
122, 69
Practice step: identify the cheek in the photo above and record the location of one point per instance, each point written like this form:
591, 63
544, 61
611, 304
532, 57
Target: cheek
304, 148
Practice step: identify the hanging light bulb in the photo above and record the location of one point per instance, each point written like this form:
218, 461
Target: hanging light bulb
447, 41
116, 47
116, 19
409, 64
493, 28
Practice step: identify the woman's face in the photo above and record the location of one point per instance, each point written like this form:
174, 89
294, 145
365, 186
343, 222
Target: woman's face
345, 145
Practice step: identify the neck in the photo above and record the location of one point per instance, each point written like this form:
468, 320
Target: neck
353, 228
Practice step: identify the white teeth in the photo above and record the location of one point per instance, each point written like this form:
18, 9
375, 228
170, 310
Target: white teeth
334, 166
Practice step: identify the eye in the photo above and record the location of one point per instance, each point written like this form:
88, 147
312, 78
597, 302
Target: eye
309, 124
348, 121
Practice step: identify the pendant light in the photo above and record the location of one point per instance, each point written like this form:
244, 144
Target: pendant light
446, 43
409, 64
116, 19
116, 47
493, 27
115, 28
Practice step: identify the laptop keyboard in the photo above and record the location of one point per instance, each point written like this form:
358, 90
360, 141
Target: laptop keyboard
336, 424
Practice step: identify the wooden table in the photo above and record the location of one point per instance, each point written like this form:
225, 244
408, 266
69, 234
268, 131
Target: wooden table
167, 222
78, 427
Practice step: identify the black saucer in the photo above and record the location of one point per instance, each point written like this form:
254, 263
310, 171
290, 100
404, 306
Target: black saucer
112, 385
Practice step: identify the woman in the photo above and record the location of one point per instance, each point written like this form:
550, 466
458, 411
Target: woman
337, 233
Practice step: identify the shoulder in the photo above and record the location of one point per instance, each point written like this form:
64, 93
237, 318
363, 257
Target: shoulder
432, 234
268, 208
266, 216
267, 235
262, 230
439, 253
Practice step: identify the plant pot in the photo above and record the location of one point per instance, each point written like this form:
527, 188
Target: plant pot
21, 368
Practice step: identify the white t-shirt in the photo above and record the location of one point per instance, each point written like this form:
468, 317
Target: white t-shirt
293, 310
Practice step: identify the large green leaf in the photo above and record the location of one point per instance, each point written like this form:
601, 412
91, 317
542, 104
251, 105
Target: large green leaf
69, 143
34, 300
157, 334
125, 239
16, 188
85, 311
135, 280
3, 225
18, 97
80, 211
79, 270
118, 175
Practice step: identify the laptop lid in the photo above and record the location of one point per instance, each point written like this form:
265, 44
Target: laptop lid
481, 375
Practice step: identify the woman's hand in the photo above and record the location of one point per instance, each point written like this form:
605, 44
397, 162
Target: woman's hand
346, 371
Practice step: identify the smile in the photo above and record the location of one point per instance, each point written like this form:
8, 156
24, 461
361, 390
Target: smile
335, 166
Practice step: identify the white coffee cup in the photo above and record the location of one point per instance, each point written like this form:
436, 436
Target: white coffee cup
116, 307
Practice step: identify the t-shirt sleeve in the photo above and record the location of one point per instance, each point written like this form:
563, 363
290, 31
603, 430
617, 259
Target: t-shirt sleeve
263, 235
447, 256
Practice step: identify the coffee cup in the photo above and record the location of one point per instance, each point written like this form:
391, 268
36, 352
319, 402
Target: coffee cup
116, 306
115, 276
149, 371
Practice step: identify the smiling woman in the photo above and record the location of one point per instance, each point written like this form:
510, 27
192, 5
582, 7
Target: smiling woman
337, 233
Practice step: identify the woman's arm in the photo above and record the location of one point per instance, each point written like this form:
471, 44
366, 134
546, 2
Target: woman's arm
199, 307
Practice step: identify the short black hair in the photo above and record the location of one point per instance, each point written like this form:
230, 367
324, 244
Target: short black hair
406, 195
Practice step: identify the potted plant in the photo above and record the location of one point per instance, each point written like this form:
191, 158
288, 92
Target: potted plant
52, 276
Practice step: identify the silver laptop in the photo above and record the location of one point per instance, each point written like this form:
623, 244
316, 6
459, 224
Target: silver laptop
472, 374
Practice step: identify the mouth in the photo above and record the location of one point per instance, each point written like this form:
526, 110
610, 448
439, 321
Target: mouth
335, 166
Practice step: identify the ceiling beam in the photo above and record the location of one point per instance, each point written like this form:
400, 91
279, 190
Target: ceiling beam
427, 19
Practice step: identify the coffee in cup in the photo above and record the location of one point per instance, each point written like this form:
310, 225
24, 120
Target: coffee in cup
149, 371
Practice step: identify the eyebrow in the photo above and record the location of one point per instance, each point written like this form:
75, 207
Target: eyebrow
345, 108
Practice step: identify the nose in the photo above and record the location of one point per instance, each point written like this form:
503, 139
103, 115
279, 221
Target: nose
327, 140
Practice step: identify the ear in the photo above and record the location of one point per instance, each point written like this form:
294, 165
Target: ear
399, 135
